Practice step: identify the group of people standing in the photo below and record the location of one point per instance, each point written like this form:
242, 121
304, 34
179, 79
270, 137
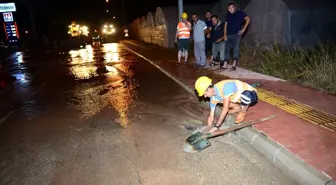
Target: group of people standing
212, 36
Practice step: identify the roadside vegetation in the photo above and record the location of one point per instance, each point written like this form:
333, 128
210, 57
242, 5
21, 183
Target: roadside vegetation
314, 67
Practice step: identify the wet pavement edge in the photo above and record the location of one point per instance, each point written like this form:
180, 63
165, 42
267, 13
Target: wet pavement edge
283, 159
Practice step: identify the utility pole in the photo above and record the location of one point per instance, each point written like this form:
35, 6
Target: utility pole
180, 9
31, 16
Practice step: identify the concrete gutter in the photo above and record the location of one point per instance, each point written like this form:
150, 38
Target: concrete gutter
287, 162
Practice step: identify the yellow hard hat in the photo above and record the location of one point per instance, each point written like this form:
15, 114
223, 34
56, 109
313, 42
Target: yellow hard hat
202, 84
184, 15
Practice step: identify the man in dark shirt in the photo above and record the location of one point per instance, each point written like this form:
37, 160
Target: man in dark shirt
234, 28
208, 42
218, 43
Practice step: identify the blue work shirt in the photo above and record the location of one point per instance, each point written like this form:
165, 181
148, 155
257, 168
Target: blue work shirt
199, 28
235, 22
217, 31
228, 89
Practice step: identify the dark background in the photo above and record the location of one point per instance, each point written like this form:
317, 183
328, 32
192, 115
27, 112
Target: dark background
51, 17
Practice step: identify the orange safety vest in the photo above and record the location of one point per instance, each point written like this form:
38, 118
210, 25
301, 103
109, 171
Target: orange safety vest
234, 98
183, 31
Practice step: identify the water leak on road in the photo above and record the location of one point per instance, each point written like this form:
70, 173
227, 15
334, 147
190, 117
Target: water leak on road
109, 79
92, 123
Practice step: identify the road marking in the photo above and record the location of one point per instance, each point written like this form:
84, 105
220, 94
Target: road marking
305, 112
187, 88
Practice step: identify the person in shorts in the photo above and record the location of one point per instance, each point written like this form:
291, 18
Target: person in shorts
182, 38
236, 97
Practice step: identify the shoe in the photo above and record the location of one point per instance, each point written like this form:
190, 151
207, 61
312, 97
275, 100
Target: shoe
233, 68
240, 117
222, 68
213, 64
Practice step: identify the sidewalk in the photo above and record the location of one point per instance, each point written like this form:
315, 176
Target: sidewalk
305, 122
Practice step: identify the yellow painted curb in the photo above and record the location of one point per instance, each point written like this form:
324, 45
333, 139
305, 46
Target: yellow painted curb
303, 111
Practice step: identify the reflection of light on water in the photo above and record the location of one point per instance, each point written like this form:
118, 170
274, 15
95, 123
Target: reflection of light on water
20, 77
111, 69
110, 47
122, 98
108, 57
88, 47
115, 56
73, 53
111, 52
86, 55
20, 57
84, 72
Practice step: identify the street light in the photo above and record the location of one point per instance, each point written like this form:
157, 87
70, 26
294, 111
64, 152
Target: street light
107, 1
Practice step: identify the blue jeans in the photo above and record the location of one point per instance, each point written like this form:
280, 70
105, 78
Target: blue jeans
233, 42
218, 47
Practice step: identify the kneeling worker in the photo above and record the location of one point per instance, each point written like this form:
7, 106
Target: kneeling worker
233, 94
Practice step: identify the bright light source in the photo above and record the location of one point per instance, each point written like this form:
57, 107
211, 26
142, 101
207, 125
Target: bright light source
113, 30
104, 31
107, 1
111, 26
113, 17
70, 26
77, 26
105, 26
107, 11
26, 32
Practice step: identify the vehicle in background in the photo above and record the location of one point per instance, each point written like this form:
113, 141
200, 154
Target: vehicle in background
109, 33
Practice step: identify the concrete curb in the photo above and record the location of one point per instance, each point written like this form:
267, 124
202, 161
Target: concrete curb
283, 159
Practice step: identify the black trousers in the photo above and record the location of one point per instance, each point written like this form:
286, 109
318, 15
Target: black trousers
208, 47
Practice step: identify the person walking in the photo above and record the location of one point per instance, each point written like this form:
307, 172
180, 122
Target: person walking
200, 29
182, 38
218, 43
233, 30
208, 42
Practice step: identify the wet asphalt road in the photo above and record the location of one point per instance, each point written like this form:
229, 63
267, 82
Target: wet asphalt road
105, 116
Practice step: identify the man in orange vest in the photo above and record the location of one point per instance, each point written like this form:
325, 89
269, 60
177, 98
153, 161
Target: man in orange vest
234, 94
182, 38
